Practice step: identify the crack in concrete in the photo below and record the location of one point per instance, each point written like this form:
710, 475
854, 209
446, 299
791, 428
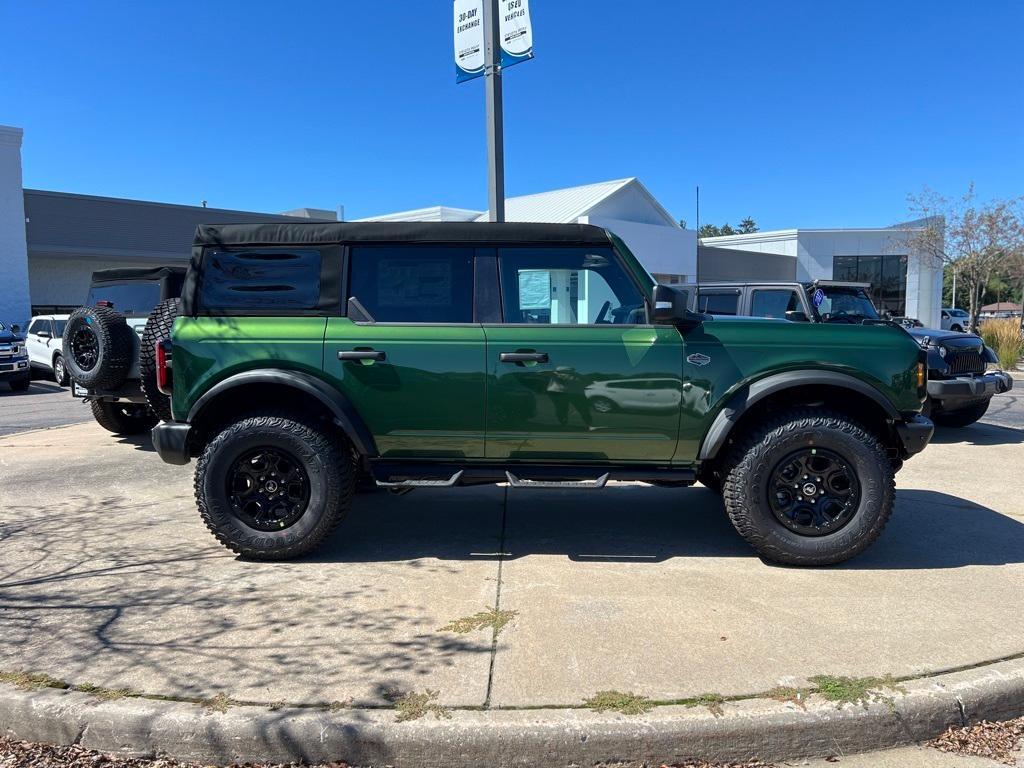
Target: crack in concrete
497, 599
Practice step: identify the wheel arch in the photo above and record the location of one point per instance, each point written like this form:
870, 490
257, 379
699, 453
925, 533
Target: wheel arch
242, 391
802, 387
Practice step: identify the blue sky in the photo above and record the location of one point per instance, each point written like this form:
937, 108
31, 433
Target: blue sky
811, 114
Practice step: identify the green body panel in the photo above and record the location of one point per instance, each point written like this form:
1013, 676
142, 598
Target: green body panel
743, 351
426, 400
608, 393
210, 349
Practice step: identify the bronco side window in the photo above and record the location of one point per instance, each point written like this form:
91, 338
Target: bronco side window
413, 283
774, 302
259, 279
568, 286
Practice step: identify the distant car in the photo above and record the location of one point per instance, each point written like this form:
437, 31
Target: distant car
633, 394
13, 361
955, 320
43, 342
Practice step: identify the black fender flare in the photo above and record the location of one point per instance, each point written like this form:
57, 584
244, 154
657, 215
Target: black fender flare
748, 396
344, 413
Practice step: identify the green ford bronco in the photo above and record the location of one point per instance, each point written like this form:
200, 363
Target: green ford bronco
310, 356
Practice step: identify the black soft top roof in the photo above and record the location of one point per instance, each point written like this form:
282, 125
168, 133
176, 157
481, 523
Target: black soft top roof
311, 233
136, 273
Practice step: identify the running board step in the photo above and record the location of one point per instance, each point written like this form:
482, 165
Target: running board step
412, 482
518, 482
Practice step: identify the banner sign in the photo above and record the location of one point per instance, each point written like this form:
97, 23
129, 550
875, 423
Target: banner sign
469, 39
516, 32
515, 29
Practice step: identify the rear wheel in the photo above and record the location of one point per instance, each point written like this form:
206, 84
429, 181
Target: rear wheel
274, 486
60, 371
123, 418
158, 328
961, 417
97, 347
809, 487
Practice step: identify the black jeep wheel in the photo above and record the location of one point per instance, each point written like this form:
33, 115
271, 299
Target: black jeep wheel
274, 486
961, 417
97, 347
123, 418
809, 486
158, 328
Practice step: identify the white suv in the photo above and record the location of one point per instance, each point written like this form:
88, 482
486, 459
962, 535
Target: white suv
955, 320
43, 344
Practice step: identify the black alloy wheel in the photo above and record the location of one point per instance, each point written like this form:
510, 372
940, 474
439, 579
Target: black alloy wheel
85, 348
268, 489
813, 492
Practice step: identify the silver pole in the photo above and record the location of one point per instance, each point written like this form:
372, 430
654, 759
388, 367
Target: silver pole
954, 287
495, 118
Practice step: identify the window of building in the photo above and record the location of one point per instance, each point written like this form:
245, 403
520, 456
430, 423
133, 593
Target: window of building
664, 278
413, 284
774, 302
568, 286
718, 302
887, 274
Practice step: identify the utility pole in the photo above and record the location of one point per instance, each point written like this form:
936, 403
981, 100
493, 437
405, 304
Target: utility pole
495, 118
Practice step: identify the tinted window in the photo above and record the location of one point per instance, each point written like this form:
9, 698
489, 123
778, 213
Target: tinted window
136, 299
712, 303
413, 284
775, 302
568, 286
260, 278
58, 328
39, 325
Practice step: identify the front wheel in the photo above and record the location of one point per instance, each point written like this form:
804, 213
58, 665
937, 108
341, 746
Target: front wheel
961, 417
274, 486
809, 486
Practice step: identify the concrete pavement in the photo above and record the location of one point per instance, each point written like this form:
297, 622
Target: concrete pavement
109, 578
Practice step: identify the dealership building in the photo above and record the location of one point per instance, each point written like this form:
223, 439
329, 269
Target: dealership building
51, 242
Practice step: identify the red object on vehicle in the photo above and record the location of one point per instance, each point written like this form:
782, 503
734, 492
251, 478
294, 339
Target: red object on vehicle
105, 303
164, 367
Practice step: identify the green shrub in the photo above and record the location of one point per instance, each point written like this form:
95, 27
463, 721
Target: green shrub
1003, 336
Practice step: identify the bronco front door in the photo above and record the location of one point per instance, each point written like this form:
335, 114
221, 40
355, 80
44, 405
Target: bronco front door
574, 372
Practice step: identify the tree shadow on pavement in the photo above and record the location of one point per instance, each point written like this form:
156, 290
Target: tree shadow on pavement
978, 434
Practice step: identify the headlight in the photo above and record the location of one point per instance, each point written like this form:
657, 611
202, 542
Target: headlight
16, 349
942, 352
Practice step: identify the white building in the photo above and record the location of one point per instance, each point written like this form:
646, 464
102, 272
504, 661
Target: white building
14, 294
903, 281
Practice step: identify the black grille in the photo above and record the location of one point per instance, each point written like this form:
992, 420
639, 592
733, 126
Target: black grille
961, 361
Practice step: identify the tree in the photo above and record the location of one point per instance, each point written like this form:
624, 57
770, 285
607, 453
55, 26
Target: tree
978, 240
748, 226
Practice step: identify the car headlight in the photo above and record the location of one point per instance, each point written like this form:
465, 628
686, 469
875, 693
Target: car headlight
16, 349
942, 352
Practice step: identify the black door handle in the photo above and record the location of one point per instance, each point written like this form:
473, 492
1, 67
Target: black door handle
523, 357
362, 354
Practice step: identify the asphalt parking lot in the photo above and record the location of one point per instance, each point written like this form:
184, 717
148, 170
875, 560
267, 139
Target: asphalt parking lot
42, 406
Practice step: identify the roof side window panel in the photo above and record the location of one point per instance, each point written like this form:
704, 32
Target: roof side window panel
130, 298
774, 302
413, 283
254, 279
718, 302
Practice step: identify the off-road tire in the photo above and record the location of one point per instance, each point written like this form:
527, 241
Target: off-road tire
158, 328
326, 459
123, 418
114, 347
766, 443
60, 371
961, 417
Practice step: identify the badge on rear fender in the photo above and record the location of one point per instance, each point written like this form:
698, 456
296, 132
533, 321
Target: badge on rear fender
698, 359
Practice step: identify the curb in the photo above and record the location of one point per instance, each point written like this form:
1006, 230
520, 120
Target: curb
755, 728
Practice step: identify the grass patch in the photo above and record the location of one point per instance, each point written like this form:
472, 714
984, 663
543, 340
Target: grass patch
1003, 335
218, 703
493, 619
105, 694
338, 706
413, 706
30, 681
616, 701
713, 701
789, 695
856, 690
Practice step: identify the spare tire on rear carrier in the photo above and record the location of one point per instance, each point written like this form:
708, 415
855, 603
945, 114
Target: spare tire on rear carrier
158, 328
98, 347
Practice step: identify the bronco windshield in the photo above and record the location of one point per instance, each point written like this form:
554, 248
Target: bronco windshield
842, 304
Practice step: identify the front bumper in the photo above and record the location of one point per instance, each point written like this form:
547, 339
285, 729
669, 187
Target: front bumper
14, 368
970, 387
914, 434
170, 439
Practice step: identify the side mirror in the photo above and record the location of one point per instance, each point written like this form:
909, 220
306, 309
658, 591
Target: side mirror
797, 316
43, 334
670, 308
